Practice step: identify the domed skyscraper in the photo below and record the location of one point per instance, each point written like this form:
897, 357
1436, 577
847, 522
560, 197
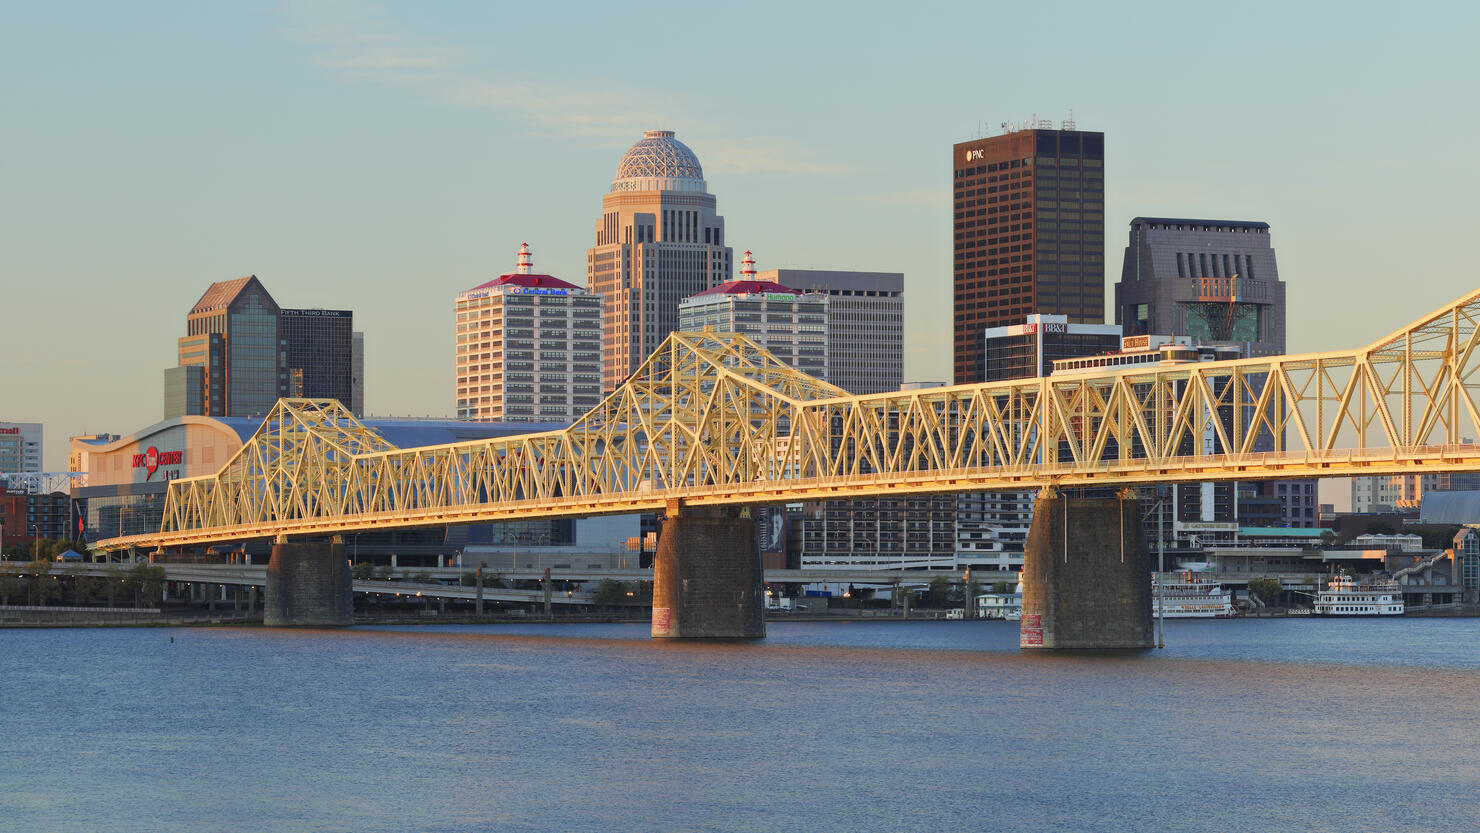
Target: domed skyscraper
658, 241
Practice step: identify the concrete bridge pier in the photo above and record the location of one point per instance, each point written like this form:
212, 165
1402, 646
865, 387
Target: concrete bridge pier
708, 581
1086, 576
309, 585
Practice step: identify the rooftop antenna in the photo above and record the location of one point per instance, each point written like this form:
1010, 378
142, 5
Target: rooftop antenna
1068, 124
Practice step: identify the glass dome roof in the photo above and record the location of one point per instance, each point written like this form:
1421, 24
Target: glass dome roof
659, 155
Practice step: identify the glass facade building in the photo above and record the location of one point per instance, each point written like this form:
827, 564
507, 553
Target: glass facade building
242, 352
318, 350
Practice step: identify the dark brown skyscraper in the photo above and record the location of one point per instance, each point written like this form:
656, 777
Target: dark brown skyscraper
1029, 234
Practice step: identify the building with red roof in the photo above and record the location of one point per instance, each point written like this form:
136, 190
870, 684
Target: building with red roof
528, 348
788, 322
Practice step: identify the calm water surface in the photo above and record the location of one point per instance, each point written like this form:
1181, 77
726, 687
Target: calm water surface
1244, 725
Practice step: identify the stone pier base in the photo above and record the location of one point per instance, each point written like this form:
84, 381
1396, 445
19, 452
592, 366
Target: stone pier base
1086, 576
308, 585
707, 577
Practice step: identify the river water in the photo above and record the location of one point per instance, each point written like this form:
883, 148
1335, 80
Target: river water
1249, 725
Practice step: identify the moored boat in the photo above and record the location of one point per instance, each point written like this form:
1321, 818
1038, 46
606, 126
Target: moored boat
1346, 596
1188, 596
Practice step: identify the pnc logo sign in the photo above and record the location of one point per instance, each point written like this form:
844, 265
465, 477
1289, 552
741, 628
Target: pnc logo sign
154, 458
972, 155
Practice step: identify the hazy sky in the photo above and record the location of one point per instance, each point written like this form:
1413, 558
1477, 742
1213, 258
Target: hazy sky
382, 157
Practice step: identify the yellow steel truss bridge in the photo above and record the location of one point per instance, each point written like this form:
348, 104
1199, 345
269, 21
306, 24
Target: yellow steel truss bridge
714, 418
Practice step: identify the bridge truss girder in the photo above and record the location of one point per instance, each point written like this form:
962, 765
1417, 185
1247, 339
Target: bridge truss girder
715, 419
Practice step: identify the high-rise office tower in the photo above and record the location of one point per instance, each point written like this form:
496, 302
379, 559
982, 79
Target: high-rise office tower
865, 324
242, 352
1213, 280
791, 324
658, 241
318, 354
528, 348
228, 359
1029, 233
1217, 282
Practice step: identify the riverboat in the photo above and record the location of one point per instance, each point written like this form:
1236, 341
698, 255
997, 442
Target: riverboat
1008, 606
1345, 596
1192, 597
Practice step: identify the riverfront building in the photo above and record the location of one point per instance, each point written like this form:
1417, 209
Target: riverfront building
242, 352
20, 447
1029, 233
788, 322
528, 348
659, 240
865, 324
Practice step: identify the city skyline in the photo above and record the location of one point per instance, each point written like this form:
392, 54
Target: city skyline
373, 153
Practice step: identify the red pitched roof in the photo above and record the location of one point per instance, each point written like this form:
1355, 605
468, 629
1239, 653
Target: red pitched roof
517, 279
748, 288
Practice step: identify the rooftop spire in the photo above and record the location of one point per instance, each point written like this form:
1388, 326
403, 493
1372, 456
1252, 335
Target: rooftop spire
526, 263
747, 267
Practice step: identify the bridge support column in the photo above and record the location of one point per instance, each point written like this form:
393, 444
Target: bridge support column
1086, 576
309, 585
708, 581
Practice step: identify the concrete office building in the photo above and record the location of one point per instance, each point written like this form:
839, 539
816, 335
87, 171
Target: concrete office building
1217, 282
1386, 493
528, 348
1213, 280
865, 324
1029, 349
865, 349
909, 533
659, 240
20, 447
1029, 233
242, 352
791, 324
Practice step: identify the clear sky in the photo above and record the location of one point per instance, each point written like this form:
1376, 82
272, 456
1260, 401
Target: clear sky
382, 157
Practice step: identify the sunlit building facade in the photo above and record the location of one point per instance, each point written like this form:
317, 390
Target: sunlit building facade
791, 324
528, 348
1029, 233
659, 240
